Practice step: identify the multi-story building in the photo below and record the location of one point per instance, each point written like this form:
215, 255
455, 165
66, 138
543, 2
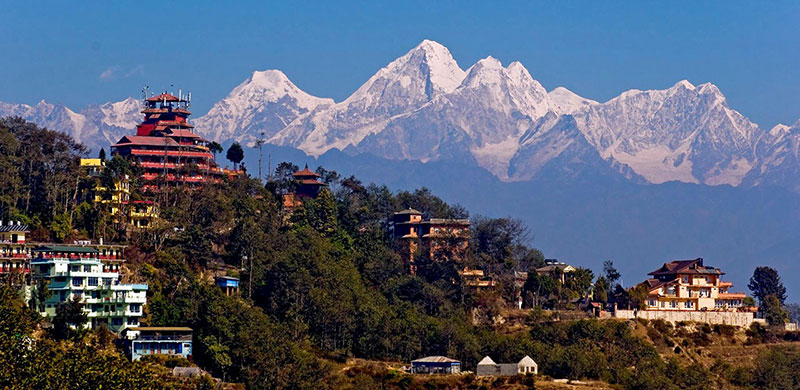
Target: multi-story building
14, 252
689, 285
138, 213
92, 275
442, 237
307, 186
166, 149
174, 341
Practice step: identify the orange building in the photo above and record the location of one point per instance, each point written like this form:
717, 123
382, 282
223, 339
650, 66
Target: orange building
690, 285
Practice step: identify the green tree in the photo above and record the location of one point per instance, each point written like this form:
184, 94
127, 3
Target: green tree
235, 154
773, 311
765, 282
70, 320
214, 147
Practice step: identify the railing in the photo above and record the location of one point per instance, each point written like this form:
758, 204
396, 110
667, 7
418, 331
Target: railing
165, 338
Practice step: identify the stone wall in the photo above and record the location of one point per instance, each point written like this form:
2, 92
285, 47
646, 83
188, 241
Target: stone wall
710, 317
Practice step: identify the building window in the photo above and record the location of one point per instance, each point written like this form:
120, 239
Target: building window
116, 321
135, 307
133, 321
652, 303
92, 282
87, 268
673, 304
685, 279
107, 281
77, 282
75, 268
688, 304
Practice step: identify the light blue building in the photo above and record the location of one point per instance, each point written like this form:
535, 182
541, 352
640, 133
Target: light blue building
175, 341
93, 278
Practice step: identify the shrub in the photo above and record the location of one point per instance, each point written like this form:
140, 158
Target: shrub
705, 328
725, 330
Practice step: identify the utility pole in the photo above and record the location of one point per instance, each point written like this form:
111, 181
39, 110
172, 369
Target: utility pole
260, 143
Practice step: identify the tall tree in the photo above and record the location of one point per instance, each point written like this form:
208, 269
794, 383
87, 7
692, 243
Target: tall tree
214, 147
765, 282
235, 154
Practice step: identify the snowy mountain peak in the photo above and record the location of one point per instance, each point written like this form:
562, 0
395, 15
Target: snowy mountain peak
424, 72
268, 78
124, 113
683, 84
260, 106
778, 130
568, 102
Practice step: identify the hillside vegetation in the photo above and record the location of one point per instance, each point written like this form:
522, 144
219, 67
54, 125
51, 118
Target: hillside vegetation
318, 286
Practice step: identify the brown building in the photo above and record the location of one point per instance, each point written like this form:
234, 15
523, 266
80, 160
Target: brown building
307, 186
437, 235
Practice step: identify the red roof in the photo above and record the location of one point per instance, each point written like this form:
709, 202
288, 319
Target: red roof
145, 140
168, 97
173, 123
182, 133
306, 172
686, 267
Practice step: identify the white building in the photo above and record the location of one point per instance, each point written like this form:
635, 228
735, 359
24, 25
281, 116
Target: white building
75, 271
487, 367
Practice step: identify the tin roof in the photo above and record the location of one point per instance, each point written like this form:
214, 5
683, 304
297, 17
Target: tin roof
306, 172
65, 249
14, 228
145, 140
408, 211
163, 96
161, 329
435, 359
686, 267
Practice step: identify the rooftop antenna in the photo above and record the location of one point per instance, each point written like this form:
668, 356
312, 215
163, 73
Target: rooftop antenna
189, 100
144, 93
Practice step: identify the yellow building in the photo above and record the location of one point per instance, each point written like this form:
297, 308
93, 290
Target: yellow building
690, 285
140, 213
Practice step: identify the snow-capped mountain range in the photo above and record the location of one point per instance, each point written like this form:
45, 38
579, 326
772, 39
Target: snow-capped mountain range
423, 106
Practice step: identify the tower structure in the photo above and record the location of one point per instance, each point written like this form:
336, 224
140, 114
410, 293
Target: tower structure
165, 148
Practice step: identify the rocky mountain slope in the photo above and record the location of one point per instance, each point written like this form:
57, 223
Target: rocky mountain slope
96, 126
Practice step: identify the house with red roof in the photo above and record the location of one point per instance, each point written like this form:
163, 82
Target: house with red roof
689, 285
165, 147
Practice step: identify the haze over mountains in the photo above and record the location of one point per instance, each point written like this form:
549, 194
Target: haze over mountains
642, 178
423, 106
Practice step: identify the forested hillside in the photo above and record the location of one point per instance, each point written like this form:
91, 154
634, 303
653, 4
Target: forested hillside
318, 286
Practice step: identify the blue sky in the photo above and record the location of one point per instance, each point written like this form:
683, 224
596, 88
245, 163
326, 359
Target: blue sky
79, 53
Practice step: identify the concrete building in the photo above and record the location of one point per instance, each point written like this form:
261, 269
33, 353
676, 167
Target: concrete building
435, 365
487, 367
143, 341
555, 269
92, 275
140, 214
439, 236
14, 253
688, 285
